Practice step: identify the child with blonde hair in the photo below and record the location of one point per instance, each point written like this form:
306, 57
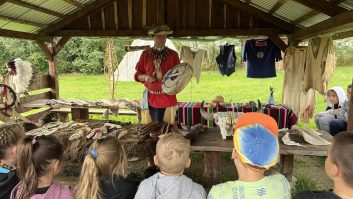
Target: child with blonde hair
256, 149
172, 157
39, 160
103, 173
10, 135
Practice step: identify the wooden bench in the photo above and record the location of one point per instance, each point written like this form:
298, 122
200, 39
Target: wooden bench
212, 145
83, 113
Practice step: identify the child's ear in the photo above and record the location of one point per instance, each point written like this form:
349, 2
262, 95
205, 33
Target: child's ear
188, 163
155, 160
335, 170
234, 154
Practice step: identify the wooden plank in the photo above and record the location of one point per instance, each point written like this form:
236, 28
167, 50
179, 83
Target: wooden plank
116, 19
190, 14
210, 14
278, 42
129, 13
343, 35
31, 98
81, 13
211, 168
96, 20
183, 14
36, 8
109, 15
306, 17
74, 3
16, 34
22, 21
41, 82
172, 18
286, 166
218, 15
160, 11
202, 14
137, 15
123, 14
79, 114
36, 116
277, 6
339, 23
151, 13
144, 13
350, 116
323, 6
177, 33
262, 15
103, 19
231, 17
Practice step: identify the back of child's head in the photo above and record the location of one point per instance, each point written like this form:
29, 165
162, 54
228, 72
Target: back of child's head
172, 153
34, 157
256, 140
10, 135
341, 155
106, 158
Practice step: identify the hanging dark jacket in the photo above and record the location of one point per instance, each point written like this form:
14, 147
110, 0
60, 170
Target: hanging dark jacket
226, 60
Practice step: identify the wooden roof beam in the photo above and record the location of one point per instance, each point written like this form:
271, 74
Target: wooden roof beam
343, 35
68, 19
176, 33
339, 23
75, 3
2, 2
16, 34
36, 8
328, 8
21, 21
277, 6
261, 15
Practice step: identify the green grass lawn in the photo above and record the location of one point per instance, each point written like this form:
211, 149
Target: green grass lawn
237, 87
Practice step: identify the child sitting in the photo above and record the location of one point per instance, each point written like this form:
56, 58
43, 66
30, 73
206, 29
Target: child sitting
338, 166
172, 157
104, 171
38, 162
10, 135
340, 124
256, 149
334, 98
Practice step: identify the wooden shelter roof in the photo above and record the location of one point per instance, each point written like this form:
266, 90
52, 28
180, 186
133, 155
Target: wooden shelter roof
300, 19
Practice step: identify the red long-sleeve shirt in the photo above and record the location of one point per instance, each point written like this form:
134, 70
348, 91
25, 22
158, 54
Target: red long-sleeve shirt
146, 66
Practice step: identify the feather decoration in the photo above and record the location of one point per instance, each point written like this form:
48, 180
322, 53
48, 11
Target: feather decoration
22, 74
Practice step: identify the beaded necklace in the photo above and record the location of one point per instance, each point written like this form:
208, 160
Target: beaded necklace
8, 167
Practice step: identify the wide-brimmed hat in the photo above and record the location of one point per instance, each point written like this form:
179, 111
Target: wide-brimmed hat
160, 30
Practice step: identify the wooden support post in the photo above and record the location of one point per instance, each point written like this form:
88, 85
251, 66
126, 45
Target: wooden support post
278, 42
79, 113
211, 168
286, 166
63, 117
350, 114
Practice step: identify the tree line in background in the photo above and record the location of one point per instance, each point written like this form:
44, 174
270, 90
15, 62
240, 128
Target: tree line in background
86, 55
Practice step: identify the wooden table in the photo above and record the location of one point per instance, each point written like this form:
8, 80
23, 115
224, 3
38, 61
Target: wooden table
212, 144
79, 112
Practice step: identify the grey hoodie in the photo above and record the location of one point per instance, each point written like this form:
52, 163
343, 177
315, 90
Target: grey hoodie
160, 186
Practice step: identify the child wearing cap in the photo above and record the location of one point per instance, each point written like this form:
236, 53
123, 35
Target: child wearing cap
339, 167
172, 157
256, 149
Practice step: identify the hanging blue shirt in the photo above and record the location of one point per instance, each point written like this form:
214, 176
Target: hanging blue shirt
260, 57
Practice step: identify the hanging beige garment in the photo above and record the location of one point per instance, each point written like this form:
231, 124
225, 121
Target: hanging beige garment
169, 115
320, 64
195, 57
302, 102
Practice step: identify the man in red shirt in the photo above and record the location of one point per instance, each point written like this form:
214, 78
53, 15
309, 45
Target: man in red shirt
154, 63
